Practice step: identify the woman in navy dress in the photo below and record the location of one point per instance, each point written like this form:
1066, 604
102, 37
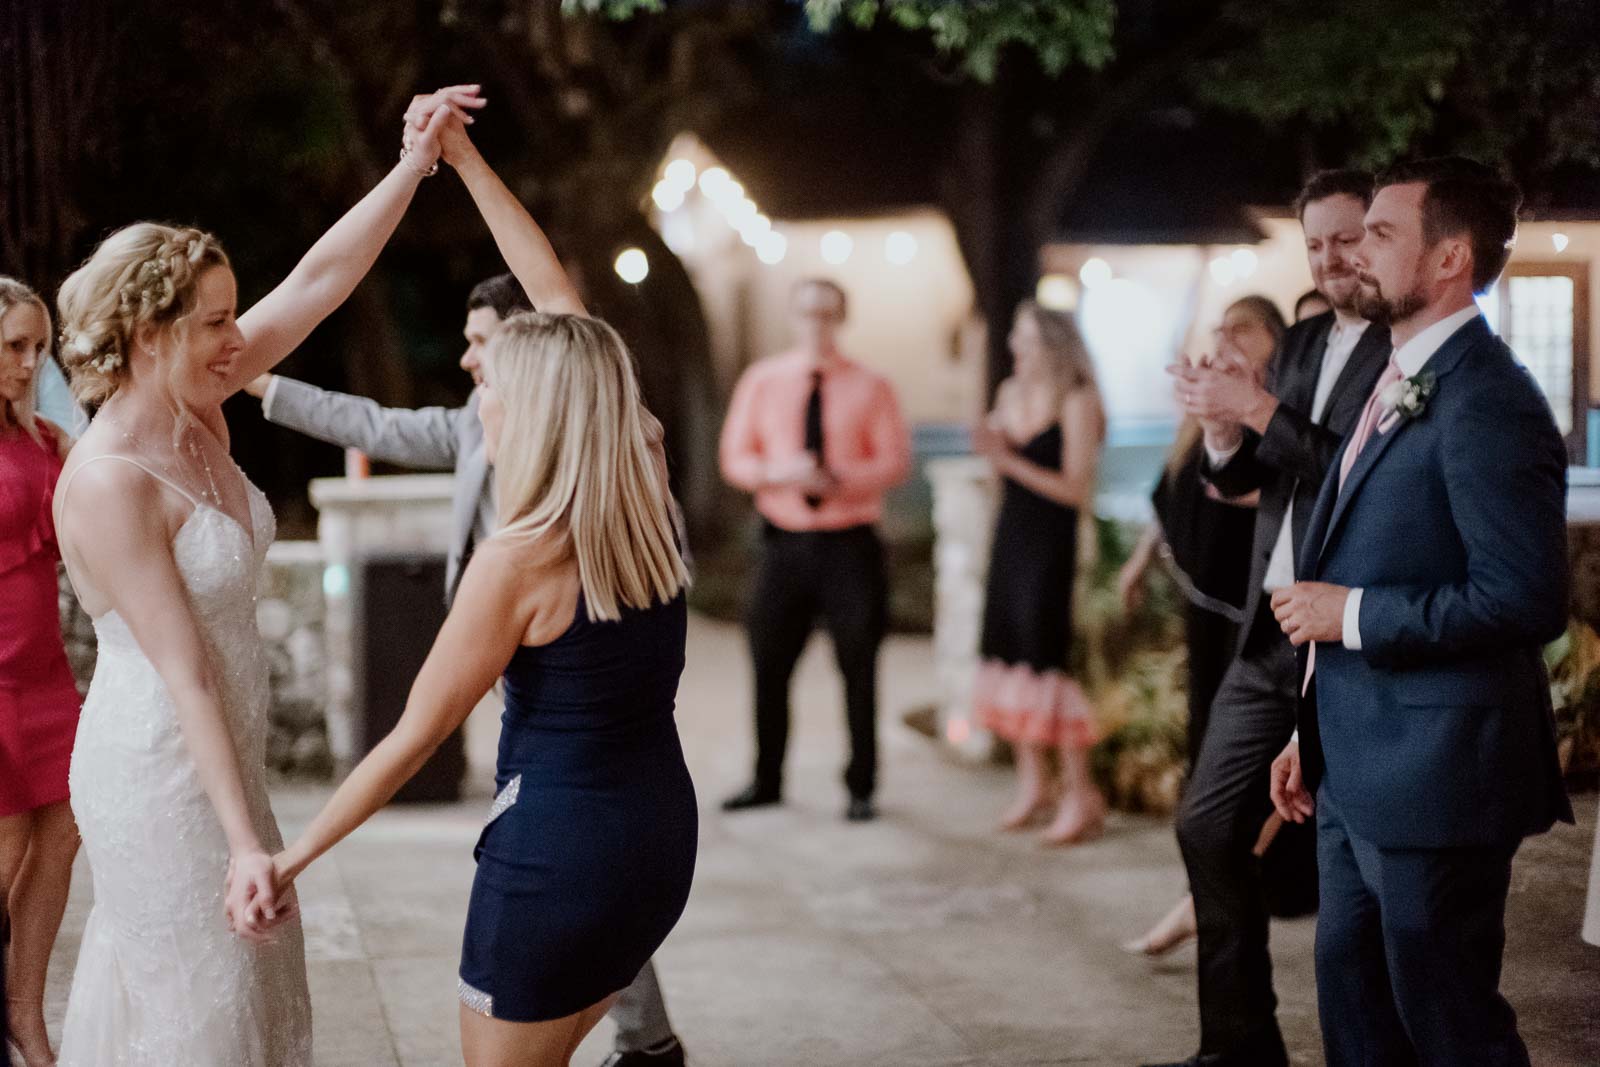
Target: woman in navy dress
587, 855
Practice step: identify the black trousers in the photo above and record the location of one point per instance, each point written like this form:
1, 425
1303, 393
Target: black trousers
1210, 639
839, 577
1220, 819
1409, 945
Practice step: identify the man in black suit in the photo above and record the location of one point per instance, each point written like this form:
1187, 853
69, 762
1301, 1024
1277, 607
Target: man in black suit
1434, 571
1279, 440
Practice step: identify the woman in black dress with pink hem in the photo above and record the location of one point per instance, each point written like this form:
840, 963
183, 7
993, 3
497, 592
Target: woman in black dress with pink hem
1043, 439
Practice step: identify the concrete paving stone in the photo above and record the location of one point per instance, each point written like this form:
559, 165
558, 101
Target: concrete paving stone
799, 998
420, 1006
348, 1024
923, 940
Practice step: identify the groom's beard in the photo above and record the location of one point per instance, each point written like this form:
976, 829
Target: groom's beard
1373, 306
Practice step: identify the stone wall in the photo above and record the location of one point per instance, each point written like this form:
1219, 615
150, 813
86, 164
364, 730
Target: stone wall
965, 497
291, 612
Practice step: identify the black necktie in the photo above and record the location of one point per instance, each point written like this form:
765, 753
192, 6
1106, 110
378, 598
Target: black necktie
814, 429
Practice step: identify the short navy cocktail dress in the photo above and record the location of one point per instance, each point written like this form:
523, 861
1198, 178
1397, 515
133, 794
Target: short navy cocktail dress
585, 862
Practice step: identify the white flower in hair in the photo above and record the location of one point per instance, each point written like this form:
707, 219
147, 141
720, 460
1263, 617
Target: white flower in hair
107, 363
83, 344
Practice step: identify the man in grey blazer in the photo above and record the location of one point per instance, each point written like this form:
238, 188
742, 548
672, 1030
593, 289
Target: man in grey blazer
439, 438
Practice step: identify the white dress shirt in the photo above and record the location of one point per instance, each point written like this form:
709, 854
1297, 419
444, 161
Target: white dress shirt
1410, 357
1342, 341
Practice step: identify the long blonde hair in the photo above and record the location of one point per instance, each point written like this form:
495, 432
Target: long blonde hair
14, 294
1071, 366
146, 272
573, 460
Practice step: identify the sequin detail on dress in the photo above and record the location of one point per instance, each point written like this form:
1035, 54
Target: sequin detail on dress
503, 800
160, 980
475, 999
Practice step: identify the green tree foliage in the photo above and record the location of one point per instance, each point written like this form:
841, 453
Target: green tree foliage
1500, 79
1060, 33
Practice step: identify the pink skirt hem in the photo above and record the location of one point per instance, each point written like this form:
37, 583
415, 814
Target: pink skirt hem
1017, 703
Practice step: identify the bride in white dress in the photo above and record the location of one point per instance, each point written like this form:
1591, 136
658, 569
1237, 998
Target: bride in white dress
164, 538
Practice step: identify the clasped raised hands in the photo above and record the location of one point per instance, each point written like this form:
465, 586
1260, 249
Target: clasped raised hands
435, 124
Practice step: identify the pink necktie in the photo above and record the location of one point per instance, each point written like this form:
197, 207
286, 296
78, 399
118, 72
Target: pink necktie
1371, 415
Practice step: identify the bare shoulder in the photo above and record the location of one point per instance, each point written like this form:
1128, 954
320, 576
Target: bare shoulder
105, 492
532, 582
112, 514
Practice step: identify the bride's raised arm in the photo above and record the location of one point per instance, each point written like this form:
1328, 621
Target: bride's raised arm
331, 269
522, 243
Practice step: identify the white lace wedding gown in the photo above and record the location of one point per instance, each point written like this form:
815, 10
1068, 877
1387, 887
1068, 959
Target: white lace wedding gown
161, 981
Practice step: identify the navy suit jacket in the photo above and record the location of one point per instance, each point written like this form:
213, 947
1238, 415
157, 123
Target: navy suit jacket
1439, 732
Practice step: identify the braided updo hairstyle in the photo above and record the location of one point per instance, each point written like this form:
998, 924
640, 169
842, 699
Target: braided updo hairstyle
143, 273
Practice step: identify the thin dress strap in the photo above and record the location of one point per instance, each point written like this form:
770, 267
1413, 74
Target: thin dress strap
61, 498
163, 479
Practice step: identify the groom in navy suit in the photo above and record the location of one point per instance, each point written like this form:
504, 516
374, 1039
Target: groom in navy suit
1434, 570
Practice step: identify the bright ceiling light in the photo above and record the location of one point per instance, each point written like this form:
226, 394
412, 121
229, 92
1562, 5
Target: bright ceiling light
1095, 271
772, 247
836, 247
900, 248
1057, 292
681, 173
668, 197
713, 179
633, 266
1244, 262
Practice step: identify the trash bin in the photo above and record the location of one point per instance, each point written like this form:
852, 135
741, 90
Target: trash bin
398, 602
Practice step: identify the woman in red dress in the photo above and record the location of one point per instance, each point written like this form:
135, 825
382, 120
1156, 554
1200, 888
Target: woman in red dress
38, 698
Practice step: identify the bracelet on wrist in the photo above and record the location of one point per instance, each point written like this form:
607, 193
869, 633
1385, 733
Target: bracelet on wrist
410, 161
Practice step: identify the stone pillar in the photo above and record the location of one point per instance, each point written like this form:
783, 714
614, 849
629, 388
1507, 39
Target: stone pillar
357, 516
965, 499
290, 613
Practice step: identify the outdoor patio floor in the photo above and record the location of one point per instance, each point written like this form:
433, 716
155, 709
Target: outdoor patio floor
922, 939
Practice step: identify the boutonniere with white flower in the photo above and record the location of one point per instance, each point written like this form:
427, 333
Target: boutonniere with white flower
1406, 399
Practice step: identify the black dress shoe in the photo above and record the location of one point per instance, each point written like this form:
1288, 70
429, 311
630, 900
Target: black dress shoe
754, 795
1265, 1050
671, 1056
861, 809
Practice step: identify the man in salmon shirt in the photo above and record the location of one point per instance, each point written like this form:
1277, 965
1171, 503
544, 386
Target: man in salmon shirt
818, 439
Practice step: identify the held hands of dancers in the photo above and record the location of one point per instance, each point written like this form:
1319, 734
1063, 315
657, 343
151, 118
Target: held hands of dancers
431, 114
427, 118
257, 900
